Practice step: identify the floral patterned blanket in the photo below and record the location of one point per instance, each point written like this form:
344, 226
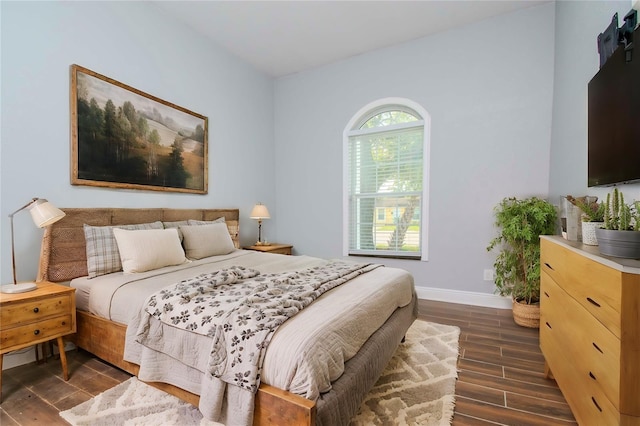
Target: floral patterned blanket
241, 309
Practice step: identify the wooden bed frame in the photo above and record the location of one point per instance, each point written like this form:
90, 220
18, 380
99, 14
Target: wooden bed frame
63, 257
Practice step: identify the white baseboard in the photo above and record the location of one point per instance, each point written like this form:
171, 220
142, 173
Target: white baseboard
464, 297
28, 355
14, 359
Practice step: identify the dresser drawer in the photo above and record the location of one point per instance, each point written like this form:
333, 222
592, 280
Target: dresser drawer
584, 395
552, 260
589, 405
593, 351
28, 311
35, 332
595, 286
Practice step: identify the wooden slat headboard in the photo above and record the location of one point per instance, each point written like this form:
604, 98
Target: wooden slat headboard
63, 254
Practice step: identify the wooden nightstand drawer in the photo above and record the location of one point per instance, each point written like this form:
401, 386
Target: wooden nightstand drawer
272, 248
36, 332
37, 316
34, 310
282, 250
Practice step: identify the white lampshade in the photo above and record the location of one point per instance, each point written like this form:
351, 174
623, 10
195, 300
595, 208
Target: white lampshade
260, 212
44, 213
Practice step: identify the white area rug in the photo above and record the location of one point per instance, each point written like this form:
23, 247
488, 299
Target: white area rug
418, 385
416, 388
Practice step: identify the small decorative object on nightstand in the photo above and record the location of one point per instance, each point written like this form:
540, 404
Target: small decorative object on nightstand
46, 313
260, 212
43, 214
272, 248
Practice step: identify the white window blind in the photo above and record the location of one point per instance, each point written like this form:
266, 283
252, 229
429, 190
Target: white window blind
385, 168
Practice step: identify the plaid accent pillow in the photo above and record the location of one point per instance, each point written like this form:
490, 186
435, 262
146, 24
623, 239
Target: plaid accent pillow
103, 256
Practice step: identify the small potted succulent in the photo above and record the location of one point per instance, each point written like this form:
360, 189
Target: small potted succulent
592, 217
620, 235
520, 223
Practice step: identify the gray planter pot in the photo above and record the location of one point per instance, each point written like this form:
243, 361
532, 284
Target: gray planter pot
624, 244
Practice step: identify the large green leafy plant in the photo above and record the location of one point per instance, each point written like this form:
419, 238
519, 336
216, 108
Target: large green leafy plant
517, 267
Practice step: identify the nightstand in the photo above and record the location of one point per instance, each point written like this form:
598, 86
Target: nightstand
272, 248
26, 319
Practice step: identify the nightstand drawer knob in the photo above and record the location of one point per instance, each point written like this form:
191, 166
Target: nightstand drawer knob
36, 332
36, 310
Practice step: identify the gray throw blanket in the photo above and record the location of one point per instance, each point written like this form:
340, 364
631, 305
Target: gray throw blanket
241, 309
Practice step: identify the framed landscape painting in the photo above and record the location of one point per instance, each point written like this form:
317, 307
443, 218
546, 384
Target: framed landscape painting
122, 137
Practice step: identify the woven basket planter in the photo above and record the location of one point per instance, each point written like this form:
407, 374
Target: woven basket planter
526, 315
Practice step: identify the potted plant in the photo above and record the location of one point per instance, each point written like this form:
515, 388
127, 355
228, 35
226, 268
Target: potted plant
520, 222
592, 217
620, 235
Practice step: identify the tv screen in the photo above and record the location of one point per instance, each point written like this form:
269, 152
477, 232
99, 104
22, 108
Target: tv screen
614, 120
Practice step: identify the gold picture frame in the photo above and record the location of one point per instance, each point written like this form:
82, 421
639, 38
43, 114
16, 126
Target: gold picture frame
122, 137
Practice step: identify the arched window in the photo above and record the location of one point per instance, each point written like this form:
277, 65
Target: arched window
386, 157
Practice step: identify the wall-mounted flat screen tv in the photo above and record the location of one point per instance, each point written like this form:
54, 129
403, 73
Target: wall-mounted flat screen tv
614, 119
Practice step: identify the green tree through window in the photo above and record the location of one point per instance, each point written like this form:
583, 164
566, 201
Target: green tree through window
386, 166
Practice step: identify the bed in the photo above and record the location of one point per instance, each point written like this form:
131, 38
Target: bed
64, 258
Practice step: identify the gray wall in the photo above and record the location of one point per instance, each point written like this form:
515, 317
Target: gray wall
577, 61
136, 44
488, 89
506, 121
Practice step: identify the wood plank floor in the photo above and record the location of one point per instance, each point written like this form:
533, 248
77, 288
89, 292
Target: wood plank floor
500, 376
500, 369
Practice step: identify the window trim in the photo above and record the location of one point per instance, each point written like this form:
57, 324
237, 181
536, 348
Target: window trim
353, 127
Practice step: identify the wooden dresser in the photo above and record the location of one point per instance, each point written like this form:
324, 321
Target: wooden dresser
590, 330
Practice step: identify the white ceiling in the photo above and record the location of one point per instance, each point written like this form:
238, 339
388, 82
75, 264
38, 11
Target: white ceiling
285, 37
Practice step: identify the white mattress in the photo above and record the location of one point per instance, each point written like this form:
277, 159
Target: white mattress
306, 353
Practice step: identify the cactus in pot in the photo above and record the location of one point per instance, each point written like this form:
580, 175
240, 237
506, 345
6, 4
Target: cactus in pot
617, 214
619, 238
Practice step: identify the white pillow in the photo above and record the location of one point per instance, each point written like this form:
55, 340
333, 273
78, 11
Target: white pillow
144, 250
102, 249
207, 240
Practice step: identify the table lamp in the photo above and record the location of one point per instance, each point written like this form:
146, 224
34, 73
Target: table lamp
43, 214
260, 212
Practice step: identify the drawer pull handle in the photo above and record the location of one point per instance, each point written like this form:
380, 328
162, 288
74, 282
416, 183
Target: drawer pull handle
546, 294
36, 310
548, 325
596, 404
597, 347
592, 376
36, 332
549, 266
593, 302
